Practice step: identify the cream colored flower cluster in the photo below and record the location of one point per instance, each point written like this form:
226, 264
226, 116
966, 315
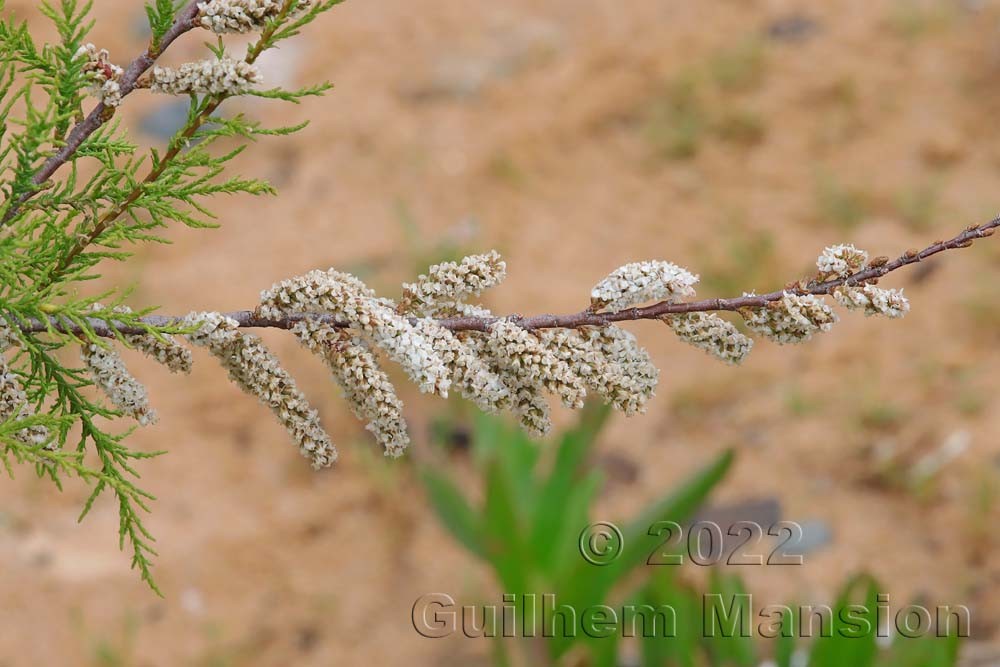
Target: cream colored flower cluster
792, 319
13, 400
711, 333
497, 363
527, 361
344, 296
162, 348
640, 282
472, 376
366, 386
104, 75
524, 400
637, 283
873, 300
224, 76
449, 284
795, 318
252, 366
8, 336
505, 367
844, 261
611, 363
222, 16
109, 373
14, 405
840, 261
607, 360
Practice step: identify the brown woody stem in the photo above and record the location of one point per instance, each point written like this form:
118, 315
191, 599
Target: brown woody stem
212, 104
252, 318
101, 114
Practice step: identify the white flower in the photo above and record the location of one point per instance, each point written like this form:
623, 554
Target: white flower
12, 396
524, 398
873, 300
345, 296
523, 357
472, 376
366, 386
222, 16
8, 337
449, 284
627, 377
13, 400
224, 76
315, 292
109, 373
111, 93
14, 405
104, 76
162, 348
840, 261
531, 409
792, 319
640, 282
609, 361
711, 333
259, 373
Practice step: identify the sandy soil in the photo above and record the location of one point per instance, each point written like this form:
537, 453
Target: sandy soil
736, 138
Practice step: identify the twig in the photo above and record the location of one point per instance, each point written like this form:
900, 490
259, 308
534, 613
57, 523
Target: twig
85, 239
101, 114
252, 319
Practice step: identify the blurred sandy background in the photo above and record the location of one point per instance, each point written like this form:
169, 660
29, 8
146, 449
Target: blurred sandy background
734, 137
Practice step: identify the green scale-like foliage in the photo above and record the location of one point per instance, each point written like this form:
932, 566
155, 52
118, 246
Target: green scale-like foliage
108, 197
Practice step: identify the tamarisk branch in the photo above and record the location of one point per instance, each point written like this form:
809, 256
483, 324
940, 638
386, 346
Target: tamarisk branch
878, 268
102, 113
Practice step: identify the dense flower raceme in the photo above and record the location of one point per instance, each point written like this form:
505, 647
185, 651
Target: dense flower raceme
345, 296
610, 362
224, 76
449, 284
711, 333
257, 372
221, 76
109, 373
366, 386
637, 283
499, 365
793, 318
224, 16
161, 348
104, 75
840, 261
528, 361
873, 300
13, 400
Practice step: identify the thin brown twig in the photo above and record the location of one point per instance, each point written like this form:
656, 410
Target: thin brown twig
102, 113
177, 144
85, 239
253, 319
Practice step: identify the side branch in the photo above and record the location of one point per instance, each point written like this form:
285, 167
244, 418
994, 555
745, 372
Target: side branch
101, 114
253, 319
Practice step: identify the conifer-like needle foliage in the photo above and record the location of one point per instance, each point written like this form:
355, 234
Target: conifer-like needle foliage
76, 191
